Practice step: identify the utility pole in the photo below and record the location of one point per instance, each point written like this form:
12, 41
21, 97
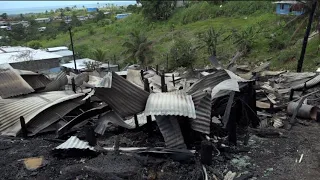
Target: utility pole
74, 57
306, 36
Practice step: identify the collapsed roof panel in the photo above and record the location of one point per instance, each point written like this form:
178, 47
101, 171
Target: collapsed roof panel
203, 113
11, 83
172, 103
123, 97
60, 81
29, 107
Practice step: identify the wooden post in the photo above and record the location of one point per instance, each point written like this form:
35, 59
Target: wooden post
109, 66
118, 67
157, 69
90, 136
23, 127
174, 84
206, 152
167, 63
149, 119
291, 94
136, 122
306, 36
141, 73
73, 85
163, 83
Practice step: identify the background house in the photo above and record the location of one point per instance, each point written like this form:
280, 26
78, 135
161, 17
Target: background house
289, 7
28, 59
121, 16
81, 66
92, 9
42, 20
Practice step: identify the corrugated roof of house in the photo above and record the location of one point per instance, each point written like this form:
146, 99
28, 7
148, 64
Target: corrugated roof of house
28, 55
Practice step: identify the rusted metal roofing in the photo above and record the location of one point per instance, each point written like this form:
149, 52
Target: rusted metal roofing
174, 104
142, 120
210, 80
75, 143
171, 132
203, 113
60, 81
29, 107
123, 97
51, 115
11, 83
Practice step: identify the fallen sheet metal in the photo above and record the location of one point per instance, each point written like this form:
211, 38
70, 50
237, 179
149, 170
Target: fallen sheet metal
171, 132
174, 104
134, 76
106, 81
11, 83
36, 81
52, 115
123, 97
58, 83
82, 117
305, 111
226, 85
113, 118
29, 107
308, 84
203, 113
75, 143
210, 80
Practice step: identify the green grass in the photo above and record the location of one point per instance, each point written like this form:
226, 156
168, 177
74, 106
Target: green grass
187, 22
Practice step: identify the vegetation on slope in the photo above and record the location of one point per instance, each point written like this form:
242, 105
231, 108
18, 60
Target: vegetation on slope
250, 27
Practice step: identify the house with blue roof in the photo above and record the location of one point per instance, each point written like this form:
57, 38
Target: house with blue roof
289, 7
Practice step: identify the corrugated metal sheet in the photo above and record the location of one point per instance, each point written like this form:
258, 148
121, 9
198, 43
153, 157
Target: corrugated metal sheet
11, 83
134, 76
113, 118
123, 97
29, 107
37, 81
52, 115
60, 81
171, 132
175, 104
203, 112
75, 143
142, 120
310, 83
210, 80
106, 81
82, 117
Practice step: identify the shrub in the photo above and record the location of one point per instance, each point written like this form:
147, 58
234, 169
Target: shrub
35, 44
182, 54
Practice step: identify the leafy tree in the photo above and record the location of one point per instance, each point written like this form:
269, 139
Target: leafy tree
4, 16
21, 16
182, 54
18, 33
75, 21
139, 49
100, 55
99, 16
63, 26
133, 8
81, 51
157, 9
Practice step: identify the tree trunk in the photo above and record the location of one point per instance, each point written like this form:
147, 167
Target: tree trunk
306, 36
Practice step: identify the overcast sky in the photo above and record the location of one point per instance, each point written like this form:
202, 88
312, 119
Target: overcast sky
37, 4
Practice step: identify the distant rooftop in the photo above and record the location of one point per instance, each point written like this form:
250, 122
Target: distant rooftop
52, 49
63, 53
288, 2
82, 66
41, 19
8, 49
27, 55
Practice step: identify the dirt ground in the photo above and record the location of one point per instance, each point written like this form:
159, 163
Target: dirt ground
267, 158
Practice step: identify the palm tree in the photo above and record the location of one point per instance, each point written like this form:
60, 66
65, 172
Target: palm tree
139, 49
100, 55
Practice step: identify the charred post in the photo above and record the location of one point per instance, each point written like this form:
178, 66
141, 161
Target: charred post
136, 121
141, 73
206, 152
174, 84
90, 136
163, 83
24, 131
157, 69
73, 84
